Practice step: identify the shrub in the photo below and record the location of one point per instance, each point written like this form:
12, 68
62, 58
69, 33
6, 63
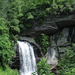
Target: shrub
67, 63
6, 51
43, 41
43, 68
8, 71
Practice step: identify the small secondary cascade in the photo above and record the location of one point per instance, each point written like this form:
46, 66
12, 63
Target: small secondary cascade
27, 58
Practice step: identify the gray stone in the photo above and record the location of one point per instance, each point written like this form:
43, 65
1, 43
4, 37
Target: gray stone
51, 56
52, 41
61, 40
62, 37
29, 39
61, 49
48, 26
53, 24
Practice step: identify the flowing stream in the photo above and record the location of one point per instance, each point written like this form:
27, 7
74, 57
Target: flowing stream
27, 58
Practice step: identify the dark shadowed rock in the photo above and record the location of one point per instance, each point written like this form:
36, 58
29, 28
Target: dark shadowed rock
53, 24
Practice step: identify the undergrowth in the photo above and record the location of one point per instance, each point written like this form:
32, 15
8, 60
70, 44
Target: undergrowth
8, 71
67, 63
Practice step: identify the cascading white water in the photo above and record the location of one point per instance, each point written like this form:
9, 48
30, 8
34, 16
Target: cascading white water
27, 58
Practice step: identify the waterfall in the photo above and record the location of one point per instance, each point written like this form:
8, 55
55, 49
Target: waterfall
27, 58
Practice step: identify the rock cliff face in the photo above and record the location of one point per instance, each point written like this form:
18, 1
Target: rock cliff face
59, 41
62, 34
53, 24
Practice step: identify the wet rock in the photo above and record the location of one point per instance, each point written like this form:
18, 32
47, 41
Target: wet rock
28, 39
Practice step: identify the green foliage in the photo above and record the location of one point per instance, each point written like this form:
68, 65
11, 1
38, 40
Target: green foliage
61, 6
13, 13
10, 10
67, 63
43, 68
17, 16
5, 44
35, 11
71, 72
30, 16
3, 27
8, 71
43, 41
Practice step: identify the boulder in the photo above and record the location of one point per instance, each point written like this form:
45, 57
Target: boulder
51, 56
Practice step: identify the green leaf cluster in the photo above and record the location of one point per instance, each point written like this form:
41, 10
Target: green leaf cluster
43, 68
43, 41
10, 10
8, 71
6, 51
67, 63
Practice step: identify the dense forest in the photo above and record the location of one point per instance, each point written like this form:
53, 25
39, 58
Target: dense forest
18, 16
